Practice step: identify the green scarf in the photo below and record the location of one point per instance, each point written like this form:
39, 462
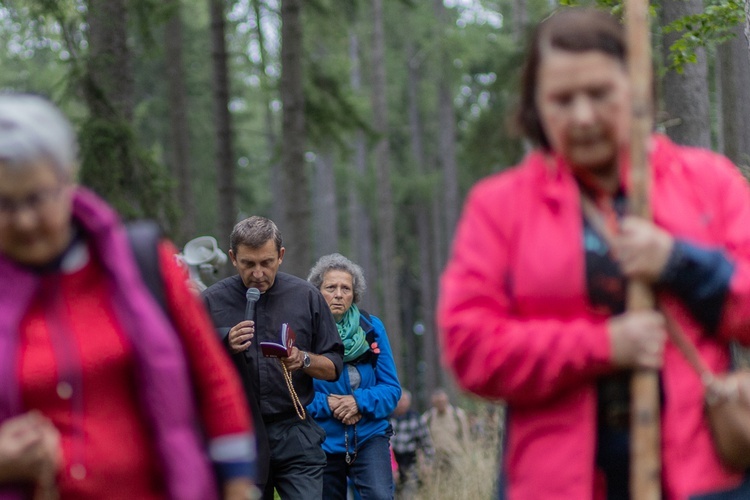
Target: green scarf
352, 334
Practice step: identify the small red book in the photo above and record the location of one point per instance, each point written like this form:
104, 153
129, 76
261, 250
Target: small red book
280, 349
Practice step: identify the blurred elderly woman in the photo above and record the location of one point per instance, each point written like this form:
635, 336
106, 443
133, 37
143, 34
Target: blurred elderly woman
98, 384
355, 409
532, 301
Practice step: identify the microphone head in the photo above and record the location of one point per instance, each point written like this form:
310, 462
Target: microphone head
252, 294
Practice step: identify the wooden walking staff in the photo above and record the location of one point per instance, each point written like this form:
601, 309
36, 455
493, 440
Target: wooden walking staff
645, 438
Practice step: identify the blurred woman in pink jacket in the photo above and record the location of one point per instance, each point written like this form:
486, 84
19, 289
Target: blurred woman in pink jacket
532, 302
104, 392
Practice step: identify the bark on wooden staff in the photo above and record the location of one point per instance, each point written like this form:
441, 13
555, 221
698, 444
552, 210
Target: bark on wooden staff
645, 459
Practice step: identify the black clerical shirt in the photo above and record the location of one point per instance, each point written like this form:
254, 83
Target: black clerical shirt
290, 300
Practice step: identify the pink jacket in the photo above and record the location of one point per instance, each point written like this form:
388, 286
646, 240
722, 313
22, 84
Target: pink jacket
515, 321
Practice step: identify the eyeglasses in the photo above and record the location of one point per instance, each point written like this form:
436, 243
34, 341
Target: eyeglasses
37, 201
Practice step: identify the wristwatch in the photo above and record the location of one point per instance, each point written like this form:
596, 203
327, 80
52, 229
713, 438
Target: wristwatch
306, 360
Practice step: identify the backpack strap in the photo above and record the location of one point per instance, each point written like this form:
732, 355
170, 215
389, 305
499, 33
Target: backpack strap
144, 236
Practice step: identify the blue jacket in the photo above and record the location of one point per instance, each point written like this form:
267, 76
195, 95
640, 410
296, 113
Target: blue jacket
376, 397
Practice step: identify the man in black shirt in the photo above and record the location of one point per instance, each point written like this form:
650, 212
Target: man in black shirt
291, 453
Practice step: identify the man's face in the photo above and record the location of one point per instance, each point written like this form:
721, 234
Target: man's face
257, 266
440, 402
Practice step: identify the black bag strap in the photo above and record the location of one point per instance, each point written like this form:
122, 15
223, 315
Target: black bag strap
144, 236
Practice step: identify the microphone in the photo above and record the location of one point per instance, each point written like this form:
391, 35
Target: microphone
252, 295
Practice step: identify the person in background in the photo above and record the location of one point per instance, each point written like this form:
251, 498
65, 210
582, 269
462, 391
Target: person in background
354, 409
449, 429
291, 458
100, 386
531, 305
412, 445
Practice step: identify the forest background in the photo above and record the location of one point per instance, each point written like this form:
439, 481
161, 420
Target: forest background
357, 125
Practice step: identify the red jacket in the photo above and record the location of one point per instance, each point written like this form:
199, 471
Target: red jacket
516, 324
91, 349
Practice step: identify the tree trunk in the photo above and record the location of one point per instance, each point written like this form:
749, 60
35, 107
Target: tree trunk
225, 173
447, 128
445, 208
686, 95
520, 20
179, 149
272, 141
360, 223
108, 164
294, 174
109, 66
386, 222
427, 283
325, 209
733, 70
439, 257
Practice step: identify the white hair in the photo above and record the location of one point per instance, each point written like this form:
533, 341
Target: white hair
32, 128
337, 262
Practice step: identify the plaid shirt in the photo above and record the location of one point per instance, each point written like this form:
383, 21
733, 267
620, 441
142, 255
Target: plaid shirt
411, 434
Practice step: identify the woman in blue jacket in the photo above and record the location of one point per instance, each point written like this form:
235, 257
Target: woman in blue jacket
355, 409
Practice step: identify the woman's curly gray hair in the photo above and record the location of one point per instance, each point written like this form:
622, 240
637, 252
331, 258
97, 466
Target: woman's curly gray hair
337, 262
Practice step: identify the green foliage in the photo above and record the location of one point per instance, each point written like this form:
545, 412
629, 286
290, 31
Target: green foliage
41, 9
330, 107
708, 29
113, 162
115, 167
489, 71
148, 14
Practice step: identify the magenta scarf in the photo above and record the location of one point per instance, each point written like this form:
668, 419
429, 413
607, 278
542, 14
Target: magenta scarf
162, 374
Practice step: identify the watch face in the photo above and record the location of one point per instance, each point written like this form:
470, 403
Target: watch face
306, 361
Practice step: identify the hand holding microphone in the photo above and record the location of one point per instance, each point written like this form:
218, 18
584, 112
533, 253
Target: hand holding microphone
240, 335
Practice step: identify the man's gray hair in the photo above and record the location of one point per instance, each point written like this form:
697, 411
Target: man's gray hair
337, 262
254, 232
33, 129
